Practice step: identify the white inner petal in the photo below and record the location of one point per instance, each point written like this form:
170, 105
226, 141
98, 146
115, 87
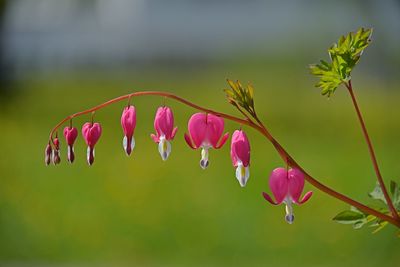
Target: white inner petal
242, 174
204, 158
70, 151
88, 155
125, 142
289, 217
164, 148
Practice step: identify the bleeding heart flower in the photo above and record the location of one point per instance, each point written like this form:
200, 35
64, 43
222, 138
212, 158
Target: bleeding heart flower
240, 154
47, 154
128, 123
56, 151
205, 131
91, 133
70, 134
287, 185
165, 131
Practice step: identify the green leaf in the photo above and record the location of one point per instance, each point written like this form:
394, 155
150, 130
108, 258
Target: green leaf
379, 226
355, 217
377, 194
241, 97
329, 79
344, 56
349, 217
395, 191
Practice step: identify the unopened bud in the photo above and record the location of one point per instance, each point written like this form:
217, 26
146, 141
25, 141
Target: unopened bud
47, 154
56, 152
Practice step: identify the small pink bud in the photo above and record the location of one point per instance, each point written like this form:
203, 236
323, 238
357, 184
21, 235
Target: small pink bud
287, 186
91, 133
70, 134
128, 123
56, 151
240, 155
165, 131
205, 131
47, 154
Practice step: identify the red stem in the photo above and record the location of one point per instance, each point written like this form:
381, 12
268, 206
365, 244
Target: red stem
372, 153
260, 128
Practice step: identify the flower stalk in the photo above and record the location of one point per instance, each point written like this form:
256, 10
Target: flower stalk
259, 126
372, 152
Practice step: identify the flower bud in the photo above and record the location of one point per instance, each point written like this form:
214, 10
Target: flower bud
70, 134
128, 123
91, 133
56, 151
47, 154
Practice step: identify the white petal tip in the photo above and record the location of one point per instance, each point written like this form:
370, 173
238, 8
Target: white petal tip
242, 175
204, 164
164, 148
289, 218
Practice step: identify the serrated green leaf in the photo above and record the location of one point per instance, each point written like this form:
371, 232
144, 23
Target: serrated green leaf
344, 56
377, 194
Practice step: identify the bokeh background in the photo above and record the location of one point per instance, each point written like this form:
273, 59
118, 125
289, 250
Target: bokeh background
59, 57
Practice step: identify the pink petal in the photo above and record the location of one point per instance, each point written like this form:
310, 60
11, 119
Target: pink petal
296, 184
155, 138
198, 129
70, 134
164, 122
128, 120
240, 148
91, 133
189, 141
269, 199
278, 183
222, 141
174, 133
306, 197
215, 128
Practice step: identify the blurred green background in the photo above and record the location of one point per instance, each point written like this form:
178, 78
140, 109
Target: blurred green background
141, 211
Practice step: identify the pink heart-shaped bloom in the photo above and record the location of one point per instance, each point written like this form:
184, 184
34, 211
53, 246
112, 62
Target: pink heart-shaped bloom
287, 186
205, 130
70, 134
91, 133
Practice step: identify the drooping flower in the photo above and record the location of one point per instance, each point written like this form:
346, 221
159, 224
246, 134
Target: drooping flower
165, 131
128, 123
70, 134
48, 152
91, 133
56, 151
287, 186
205, 131
240, 155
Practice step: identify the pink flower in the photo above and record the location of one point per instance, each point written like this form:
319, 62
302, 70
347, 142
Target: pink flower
128, 123
70, 134
240, 154
91, 133
56, 151
165, 131
205, 131
287, 187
